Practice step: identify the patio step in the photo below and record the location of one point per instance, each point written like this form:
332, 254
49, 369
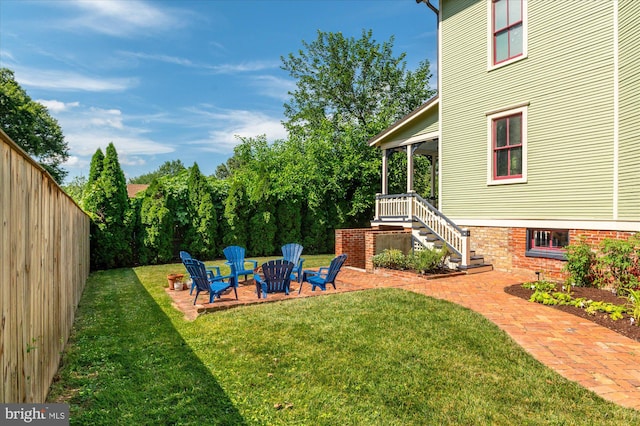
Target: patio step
475, 259
425, 238
476, 269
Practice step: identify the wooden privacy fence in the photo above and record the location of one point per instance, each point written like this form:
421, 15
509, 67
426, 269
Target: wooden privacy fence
44, 264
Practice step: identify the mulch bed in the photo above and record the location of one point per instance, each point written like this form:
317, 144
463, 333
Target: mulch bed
622, 326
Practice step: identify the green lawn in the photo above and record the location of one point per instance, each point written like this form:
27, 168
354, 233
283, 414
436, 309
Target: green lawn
378, 357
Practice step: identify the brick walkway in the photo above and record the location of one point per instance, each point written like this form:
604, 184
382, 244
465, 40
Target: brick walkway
596, 357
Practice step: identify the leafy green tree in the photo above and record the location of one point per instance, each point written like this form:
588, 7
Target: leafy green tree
219, 193
168, 168
289, 221
397, 172
346, 81
249, 211
29, 124
263, 229
236, 216
178, 202
156, 225
91, 192
76, 188
108, 206
347, 91
95, 169
202, 236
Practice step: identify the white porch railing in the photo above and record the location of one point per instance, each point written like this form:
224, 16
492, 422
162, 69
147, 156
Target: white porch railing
410, 207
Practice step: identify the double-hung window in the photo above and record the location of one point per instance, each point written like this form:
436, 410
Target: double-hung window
507, 147
507, 153
508, 31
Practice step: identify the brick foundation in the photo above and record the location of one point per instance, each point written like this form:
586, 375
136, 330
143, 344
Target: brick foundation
505, 248
361, 245
351, 242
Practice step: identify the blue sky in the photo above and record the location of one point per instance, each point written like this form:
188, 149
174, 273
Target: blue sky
166, 80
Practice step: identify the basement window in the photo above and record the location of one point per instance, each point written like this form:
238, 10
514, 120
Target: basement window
547, 243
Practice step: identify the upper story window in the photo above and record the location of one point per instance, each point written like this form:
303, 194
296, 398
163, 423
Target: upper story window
507, 153
508, 31
507, 147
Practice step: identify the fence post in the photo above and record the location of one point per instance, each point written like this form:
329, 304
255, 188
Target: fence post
377, 215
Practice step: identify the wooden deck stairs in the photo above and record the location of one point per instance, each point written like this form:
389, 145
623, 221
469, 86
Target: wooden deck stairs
430, 229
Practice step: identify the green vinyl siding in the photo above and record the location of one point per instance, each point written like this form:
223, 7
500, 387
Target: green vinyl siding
629, 110
567, 81
427, 123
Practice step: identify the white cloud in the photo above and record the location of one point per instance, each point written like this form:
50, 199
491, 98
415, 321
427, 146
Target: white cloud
5, 54
71, 81
127, 160
106, 118
160, 58
228, 124
57, 106
122, 18
274, 87
243, 67
88, 128
250, 66
75, 162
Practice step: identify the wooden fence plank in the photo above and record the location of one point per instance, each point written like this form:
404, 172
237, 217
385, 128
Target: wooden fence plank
44, 264
5, 267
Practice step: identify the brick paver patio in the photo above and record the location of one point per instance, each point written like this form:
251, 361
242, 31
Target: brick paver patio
596, 357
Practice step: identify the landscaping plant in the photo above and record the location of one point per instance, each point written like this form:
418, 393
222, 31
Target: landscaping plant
618, 264
390, 259
428, 260
580, 261
543, 292
634, 305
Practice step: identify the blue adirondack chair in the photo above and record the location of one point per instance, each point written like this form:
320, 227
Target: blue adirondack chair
325, 275
237, 262
212, 271
199, 275
292, 252
277, 277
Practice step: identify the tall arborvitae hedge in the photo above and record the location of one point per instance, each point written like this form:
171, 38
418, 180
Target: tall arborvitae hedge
237, 215
315, 225
156, 226
202, 236
262, 229
97, 164
219, 191
108, 206
88, 197
289, 221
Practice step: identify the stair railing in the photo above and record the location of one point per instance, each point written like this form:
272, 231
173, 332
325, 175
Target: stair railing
411, 206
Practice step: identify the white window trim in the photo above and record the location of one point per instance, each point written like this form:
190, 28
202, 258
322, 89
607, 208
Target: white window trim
490, 118
525, 38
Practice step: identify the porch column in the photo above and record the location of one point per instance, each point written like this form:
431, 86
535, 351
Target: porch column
385, 177
409, 168
433, 176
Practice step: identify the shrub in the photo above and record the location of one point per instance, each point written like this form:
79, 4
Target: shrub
618, 265
634, 305
391, 259
428, 260
580, 262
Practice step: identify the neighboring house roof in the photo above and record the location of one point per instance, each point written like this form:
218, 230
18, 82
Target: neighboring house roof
134, 188
383, 136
